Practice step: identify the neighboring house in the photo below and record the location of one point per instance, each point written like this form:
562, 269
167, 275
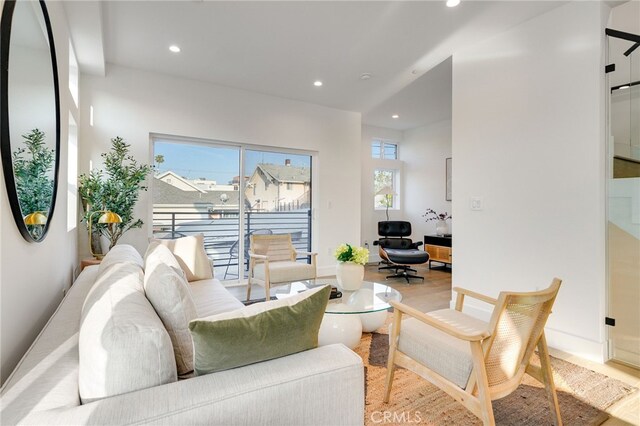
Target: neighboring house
211, 185
279, 187
178, 181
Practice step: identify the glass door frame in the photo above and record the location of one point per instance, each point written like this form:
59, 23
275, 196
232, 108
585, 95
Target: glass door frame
609, 152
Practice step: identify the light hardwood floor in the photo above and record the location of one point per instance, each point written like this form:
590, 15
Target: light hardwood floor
435, 293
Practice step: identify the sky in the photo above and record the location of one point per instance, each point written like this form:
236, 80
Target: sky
221, 164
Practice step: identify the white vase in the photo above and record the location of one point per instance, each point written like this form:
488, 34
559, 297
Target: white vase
442, 228
349, 275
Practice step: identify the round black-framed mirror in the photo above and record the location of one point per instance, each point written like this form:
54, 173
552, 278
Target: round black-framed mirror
29, 115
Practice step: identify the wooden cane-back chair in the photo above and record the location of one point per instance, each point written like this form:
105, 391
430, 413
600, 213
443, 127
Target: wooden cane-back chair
498, 354
273, 260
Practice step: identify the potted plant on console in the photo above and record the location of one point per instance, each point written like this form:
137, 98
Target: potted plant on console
116, 190
442, 228
350, 268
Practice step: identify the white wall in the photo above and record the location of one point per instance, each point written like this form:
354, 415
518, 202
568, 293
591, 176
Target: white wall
424, 152
133, 104
528, 137
370, 216
33, 276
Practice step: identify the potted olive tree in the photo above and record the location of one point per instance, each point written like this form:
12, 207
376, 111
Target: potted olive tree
115, 189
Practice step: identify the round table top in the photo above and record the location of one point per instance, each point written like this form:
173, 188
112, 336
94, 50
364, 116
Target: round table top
371, 297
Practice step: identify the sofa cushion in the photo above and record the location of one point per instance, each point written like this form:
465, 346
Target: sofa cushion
285, 271
212, 298
120, 253
169, 293
123, 345
190, 253
442, 353
258, 332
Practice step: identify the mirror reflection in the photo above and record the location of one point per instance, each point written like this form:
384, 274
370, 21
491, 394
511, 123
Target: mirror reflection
32, 116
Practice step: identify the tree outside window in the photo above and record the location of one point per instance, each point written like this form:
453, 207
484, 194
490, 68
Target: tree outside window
382, 178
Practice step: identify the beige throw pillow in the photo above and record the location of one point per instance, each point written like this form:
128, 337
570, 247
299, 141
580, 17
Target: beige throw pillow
190, 253
169, 293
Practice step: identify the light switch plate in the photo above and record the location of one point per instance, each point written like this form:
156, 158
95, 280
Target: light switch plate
476, 203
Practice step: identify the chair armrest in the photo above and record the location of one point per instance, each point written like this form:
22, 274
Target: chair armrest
462, 292
416, 244
258, 256
442, 326
376, 242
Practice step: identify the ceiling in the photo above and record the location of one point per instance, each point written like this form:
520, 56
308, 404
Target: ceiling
281, 48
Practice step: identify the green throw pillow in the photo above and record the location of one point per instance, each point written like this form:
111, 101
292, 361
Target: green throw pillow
258, 332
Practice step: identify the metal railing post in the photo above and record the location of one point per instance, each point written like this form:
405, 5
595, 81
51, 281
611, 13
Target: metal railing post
309, 234
173, 225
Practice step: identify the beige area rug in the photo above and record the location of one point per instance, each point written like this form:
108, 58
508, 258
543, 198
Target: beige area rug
583, 395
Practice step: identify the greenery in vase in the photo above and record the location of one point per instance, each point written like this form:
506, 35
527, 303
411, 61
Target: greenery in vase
116, 189
348, 253
433, 215
32, 168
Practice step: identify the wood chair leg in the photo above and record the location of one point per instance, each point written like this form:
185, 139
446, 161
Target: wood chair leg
547, 376
393, 345
267, 292
248, 290
484, 397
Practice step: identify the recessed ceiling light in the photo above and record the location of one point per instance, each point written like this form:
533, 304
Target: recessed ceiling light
453, 3
365, 76
317, 83
174, 48
395, 116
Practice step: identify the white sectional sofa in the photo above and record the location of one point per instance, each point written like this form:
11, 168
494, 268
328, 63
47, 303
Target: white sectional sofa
319, 386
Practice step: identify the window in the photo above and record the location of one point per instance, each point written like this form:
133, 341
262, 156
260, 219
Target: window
384, 150
383, 178
289, 186
72, 175
74, 74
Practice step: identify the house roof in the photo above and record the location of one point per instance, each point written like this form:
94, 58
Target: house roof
164, 193
284, 174
180, 178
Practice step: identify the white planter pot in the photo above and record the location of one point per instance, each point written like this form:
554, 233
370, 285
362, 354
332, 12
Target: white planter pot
349, 275
442, 228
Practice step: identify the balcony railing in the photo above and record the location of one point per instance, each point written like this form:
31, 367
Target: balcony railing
221, 232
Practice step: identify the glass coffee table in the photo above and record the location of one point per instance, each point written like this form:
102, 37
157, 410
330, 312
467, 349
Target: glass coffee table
348, 316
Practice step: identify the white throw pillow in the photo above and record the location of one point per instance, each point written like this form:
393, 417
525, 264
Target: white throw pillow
169, 293
190, 253
160, 253
120, 253
122, 344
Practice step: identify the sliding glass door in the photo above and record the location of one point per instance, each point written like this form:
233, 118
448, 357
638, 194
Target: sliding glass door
228, 193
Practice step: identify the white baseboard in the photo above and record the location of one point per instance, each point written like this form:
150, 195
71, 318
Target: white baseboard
626, 357
557, 339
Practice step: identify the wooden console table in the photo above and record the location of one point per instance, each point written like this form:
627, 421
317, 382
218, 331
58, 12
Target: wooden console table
439, 249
